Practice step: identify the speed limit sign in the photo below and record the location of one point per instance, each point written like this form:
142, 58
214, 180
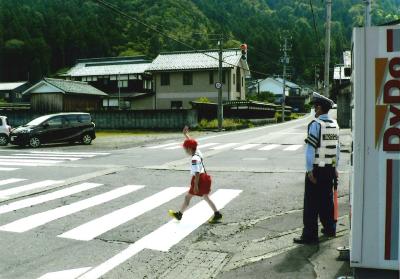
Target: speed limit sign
218, 85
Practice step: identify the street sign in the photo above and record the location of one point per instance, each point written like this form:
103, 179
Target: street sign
218, 85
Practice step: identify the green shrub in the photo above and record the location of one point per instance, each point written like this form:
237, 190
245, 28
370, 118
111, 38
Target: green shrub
228, 124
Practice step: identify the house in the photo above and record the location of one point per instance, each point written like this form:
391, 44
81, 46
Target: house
275, 86
185, 76
124, 79
58, 95
11, 92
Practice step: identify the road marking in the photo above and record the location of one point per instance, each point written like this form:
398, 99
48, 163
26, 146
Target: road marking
208, 144
8, 169
56, 155
293, 147
247, 146
11, 180
47, 197
162, 145
69, 153
34, 156
98, 226
226, 145
36, 220
24, 164
29, 161
167, 235
65, 274
269, 147
174, 147
37, 185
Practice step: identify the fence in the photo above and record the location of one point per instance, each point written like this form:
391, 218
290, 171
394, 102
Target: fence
135, 119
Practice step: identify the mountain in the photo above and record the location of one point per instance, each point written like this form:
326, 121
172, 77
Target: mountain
43, 37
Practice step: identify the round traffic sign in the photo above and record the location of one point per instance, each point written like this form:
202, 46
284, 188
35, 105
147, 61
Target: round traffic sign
218, 85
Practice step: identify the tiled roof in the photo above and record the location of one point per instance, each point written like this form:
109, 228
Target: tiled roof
74, 87
109, 66
11, 85
288, 83
190, 60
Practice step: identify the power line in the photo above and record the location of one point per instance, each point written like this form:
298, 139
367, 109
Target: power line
122, 13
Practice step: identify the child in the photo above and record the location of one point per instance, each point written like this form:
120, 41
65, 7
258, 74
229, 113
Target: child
198, 174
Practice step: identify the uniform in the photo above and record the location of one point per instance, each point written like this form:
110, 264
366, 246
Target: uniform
322, 158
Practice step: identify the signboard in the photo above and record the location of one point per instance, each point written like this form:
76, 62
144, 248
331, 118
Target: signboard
375, 191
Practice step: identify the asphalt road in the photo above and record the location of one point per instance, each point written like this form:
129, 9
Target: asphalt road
100, 211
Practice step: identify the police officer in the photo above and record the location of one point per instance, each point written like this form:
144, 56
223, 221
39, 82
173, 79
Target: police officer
322, 157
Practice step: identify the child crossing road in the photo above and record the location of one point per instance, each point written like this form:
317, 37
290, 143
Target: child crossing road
200, 184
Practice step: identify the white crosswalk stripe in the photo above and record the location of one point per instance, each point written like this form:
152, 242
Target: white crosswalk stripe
105, 223
11, 180
269, 147
20, 189
162, 145
47, 197
226, 145
204, 145
247, 146
292, 147
8, 169
39, 219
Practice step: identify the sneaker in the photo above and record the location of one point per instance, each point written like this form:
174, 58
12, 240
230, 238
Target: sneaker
174, 214
217, 217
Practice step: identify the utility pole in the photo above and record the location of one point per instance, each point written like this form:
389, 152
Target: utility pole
327, 46
367, 13
220, 108
284, 61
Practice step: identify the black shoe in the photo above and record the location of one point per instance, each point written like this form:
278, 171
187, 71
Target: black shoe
174, 214
217, 217
305, 240
328, 233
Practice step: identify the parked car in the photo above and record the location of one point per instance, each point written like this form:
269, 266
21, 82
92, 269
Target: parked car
61, 127
4, 131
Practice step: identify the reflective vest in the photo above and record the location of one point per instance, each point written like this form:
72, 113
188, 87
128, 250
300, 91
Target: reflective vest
328, 143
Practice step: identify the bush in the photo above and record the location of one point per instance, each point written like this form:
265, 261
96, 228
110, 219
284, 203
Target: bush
228, 124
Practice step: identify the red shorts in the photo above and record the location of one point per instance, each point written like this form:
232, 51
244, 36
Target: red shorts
204, 185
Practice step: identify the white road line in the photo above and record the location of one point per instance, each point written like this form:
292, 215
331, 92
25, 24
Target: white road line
36, 220
208, 144
226, 145
16, 156
47, 197
167, 235
293, 147
68, 153
11, 180
57, 155
174, 147
98, 226
8, 169
269, 147
247, 146
30, 161
36, 185
162, 145
65, 274
23, 164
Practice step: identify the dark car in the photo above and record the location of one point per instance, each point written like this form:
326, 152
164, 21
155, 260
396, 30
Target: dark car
61, 127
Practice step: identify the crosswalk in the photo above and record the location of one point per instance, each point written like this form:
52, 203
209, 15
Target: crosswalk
83, 196
232, 146
12, 161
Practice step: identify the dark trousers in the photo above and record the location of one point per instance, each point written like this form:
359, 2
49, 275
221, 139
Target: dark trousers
318, 201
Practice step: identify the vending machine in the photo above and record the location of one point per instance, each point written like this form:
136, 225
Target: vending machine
375, 195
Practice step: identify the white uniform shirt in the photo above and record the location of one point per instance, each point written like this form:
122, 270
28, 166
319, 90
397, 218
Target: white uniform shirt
195, 164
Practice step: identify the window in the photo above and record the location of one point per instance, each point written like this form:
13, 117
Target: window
223, 76
187, 78
55, 121
122, 83
71, 119
234, 78
211, 77
84, 118
176, 104
164, 78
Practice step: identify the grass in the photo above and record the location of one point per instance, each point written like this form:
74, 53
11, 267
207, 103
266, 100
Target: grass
228, 124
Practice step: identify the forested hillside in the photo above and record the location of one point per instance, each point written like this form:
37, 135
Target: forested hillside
42, 37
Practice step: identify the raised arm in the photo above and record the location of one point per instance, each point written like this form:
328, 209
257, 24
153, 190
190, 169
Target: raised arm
186, 132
